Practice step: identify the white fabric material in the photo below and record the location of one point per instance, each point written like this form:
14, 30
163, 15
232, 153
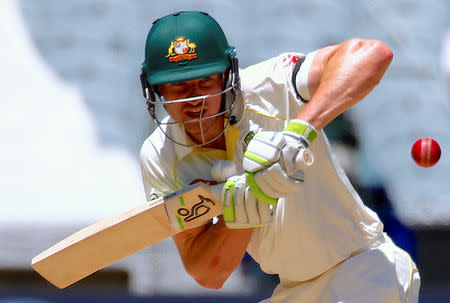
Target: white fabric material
302, 77
388, 276
326, 221
312, 231
222, 170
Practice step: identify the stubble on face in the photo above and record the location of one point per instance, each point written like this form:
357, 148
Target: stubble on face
199, 129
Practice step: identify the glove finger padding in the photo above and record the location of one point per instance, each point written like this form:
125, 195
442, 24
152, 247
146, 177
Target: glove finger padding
265, 212
251, 208
275, 182
263, 150
239, 202
241, 208
258, 212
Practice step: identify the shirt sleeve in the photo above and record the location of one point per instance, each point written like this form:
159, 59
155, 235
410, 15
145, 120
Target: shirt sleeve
156, 177
301, 78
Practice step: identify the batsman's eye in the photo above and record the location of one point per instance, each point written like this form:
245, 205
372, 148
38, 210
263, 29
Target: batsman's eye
209, 82
179, 87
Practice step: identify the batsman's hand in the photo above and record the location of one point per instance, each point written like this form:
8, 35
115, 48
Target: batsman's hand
241, 209
275, 161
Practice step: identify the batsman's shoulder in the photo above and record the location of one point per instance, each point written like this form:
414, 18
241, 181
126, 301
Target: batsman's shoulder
282, 61
276, 67
154, 151
154, 142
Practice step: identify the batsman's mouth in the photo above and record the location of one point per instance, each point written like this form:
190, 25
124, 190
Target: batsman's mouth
196, 113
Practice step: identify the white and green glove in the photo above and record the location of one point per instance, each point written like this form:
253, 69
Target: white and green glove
240, 207
274, 161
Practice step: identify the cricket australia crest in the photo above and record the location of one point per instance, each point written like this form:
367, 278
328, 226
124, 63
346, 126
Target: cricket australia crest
181, 49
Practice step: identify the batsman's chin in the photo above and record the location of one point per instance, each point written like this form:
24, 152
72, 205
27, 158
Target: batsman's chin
203, 129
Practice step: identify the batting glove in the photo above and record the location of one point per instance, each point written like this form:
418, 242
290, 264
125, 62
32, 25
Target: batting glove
274, 161
241, 209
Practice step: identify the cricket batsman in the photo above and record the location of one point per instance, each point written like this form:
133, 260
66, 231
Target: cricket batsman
287, 202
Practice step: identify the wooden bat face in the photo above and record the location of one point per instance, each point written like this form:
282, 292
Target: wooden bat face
115, 238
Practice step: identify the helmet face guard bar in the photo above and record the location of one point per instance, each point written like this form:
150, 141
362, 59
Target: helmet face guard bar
162, 100
226, 112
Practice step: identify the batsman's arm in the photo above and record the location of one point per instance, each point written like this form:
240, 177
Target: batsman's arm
342, 75
337, 77
210, 253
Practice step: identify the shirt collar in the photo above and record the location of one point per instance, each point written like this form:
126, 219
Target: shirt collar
176, 131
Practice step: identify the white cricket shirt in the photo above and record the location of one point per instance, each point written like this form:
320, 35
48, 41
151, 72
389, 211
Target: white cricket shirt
312, 230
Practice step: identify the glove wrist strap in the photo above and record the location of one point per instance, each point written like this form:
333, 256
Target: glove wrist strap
302, 128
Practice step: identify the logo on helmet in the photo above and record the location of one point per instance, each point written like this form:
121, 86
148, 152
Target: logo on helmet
181, 49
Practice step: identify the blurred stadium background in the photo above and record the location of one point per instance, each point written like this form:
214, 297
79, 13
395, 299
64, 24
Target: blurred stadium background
73, 120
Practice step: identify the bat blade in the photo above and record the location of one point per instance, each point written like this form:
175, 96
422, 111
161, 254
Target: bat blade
112, 239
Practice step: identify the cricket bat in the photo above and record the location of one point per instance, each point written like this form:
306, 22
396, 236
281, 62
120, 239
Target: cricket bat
117, 237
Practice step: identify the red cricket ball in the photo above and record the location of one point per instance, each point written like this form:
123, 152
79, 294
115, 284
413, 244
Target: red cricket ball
426, 152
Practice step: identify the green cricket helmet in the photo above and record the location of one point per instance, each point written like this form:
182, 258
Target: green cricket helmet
185, 46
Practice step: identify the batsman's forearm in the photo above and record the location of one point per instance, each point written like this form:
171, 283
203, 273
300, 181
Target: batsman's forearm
343, 76
212, 254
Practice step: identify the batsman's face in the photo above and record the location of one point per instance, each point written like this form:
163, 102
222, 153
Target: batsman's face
195, 109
